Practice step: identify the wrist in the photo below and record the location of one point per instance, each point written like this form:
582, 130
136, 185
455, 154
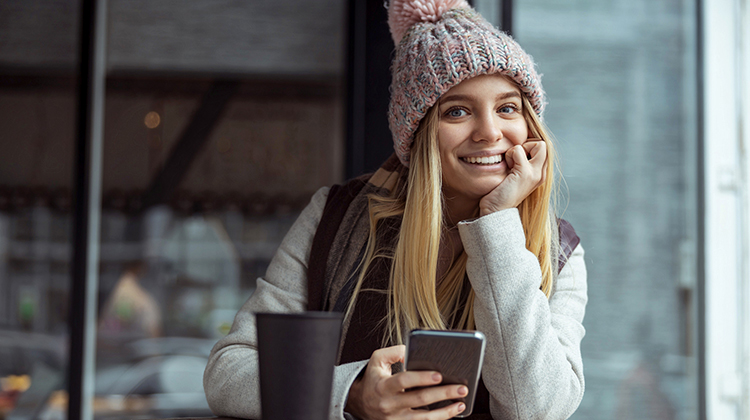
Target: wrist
485, 210
352, 399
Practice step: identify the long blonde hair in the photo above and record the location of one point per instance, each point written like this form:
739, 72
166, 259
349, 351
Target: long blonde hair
416, 298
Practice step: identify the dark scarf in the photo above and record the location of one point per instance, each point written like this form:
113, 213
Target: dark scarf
338, 248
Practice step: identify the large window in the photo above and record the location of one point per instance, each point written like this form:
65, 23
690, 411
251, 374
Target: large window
622, 86
220, 122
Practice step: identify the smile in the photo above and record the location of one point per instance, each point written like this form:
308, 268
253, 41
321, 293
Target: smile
483, 160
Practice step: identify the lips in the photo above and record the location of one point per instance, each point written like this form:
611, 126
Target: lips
483, 160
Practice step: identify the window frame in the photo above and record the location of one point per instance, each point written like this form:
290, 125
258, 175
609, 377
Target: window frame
725, 262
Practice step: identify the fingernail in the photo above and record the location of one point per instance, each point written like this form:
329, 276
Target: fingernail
463, 390
436, 377
461, 408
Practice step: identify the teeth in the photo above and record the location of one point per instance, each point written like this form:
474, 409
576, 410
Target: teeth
484, 160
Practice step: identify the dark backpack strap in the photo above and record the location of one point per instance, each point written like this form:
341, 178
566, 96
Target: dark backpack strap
337, 203
568, 242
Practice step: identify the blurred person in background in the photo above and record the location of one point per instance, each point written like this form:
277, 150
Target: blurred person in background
457, 230
130, 310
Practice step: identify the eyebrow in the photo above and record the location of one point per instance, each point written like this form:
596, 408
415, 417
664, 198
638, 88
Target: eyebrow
459, 97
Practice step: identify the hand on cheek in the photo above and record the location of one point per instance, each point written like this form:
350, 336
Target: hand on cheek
526, 171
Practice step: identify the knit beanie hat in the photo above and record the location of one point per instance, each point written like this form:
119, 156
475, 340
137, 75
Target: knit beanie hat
439, 44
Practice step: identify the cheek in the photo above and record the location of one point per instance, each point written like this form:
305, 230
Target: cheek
521, 132
525, 130
446, 143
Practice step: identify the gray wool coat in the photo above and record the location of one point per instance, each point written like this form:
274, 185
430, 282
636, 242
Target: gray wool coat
532, 366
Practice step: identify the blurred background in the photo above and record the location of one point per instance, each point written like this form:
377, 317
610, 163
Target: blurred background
222, 118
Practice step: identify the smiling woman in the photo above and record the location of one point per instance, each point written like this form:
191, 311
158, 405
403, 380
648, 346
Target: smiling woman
482, 134
455, 231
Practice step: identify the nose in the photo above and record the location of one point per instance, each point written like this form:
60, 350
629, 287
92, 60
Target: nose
488, 128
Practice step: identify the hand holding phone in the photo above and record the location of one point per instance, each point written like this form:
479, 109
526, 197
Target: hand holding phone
381, 393
457, 355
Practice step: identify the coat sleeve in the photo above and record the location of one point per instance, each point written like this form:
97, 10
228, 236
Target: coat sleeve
532, 366
231, 379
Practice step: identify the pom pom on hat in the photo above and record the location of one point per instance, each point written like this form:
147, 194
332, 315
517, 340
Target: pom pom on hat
402, 14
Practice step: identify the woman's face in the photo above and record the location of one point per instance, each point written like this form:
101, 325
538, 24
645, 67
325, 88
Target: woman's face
480, 118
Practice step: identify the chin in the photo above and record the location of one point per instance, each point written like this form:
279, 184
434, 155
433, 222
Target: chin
470, 189
485, 188
475, 194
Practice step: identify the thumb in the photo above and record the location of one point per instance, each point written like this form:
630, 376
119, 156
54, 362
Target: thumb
382, 359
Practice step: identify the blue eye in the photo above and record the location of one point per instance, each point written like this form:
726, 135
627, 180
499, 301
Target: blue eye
507, 109
456, 113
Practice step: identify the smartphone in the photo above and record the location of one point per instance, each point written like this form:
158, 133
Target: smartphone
457, 355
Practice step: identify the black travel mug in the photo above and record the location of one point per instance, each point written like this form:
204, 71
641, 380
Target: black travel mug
296, 354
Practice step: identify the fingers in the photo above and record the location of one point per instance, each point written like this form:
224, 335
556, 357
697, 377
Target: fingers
529, 144
412, 379
516, 158
446, 412
536, 150
527, 167
394, 397
431, 395
533, 152
529, 149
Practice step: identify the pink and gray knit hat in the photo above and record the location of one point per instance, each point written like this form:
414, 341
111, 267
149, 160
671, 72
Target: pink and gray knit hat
439, 44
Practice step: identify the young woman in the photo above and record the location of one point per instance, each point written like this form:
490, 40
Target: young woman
457, 230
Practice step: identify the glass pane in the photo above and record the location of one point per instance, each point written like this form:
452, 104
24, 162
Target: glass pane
175, 269
621, 80
37, 114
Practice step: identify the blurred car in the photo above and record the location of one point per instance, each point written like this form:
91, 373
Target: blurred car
156, 377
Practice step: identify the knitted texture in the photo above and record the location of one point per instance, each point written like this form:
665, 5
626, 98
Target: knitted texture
436, 54
403, 14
